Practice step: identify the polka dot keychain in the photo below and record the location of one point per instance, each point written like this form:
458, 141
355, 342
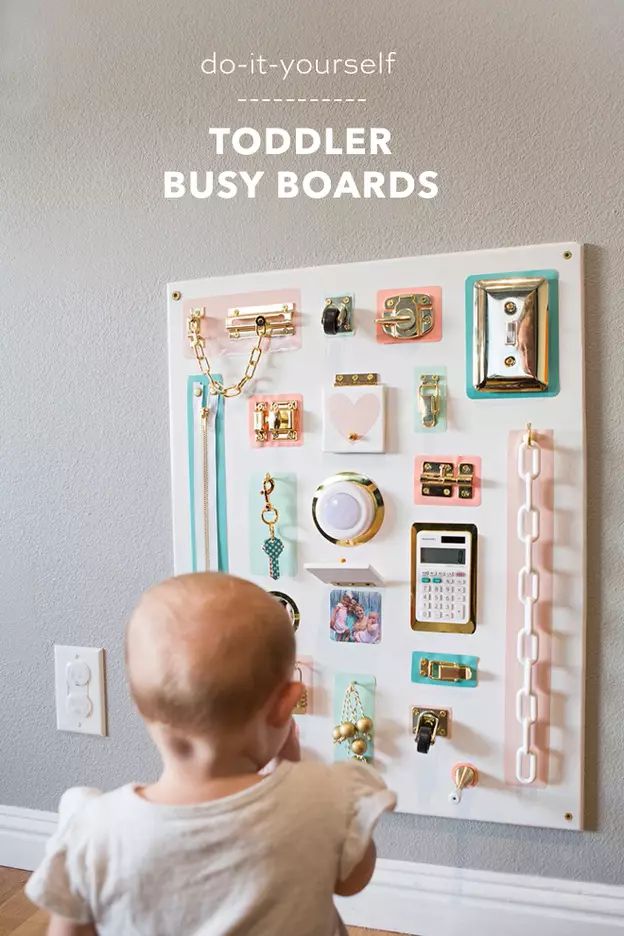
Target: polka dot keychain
272, 546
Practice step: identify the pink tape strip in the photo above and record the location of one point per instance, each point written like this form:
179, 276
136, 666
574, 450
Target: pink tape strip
543, 551
213, 324
454, 500
279, 443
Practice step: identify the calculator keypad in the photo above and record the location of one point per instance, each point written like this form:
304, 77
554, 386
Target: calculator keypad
442, 595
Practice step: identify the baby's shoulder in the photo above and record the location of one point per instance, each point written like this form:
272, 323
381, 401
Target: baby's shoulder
347, 781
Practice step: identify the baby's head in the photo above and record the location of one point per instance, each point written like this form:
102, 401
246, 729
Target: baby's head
210, 657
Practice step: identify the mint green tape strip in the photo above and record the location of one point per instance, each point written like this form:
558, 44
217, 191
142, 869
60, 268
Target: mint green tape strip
553, 333
440, 425
284, 499
470, 661
366, 689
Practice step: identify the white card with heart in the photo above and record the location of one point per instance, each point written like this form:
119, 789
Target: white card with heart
354, 419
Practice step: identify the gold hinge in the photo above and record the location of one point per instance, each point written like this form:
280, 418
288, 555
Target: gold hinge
356, 380
438, 479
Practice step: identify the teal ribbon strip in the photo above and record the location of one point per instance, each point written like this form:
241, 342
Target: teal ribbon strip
221, 505
222, 539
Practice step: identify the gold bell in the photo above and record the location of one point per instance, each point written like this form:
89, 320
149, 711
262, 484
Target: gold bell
347, 729
364, 725
359, 747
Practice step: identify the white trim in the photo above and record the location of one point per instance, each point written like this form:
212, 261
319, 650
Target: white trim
23, 835
422, 899
434, 900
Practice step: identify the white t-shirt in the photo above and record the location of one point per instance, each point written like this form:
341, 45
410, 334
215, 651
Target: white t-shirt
262, 862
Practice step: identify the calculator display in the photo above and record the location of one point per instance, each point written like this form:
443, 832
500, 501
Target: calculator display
446, 556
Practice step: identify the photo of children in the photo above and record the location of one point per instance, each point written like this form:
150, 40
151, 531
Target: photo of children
355, 617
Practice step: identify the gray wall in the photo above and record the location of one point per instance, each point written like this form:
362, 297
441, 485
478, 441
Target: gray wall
515, 104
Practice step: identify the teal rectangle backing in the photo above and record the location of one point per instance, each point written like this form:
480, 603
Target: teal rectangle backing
440, 426
553, 333
470, 661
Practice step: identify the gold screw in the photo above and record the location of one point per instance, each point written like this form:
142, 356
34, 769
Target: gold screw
426, 300
425, 490
568, 816
198, 391
510, 308
510, 360
342, 561
567, 255
447, 492
176, 295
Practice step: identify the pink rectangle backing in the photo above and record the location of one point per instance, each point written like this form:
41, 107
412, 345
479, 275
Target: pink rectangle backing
454, 500
218, 342
275, 443
436, 303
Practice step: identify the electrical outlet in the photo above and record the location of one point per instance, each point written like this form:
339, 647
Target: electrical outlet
79, 685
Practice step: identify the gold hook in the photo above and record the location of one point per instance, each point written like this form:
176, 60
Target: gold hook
529, 434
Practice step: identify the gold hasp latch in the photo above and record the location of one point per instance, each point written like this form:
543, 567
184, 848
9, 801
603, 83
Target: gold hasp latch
444, 670
438, 479
407, 316
275, 320
277, 421
429, 399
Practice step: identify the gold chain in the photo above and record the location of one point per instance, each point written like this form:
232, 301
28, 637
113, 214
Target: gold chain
269, 514
198, 344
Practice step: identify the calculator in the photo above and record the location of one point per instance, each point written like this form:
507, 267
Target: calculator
444, 577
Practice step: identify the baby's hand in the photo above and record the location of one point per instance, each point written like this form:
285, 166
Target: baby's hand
291, 749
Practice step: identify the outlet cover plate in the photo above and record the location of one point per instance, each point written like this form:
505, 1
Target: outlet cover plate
80, 689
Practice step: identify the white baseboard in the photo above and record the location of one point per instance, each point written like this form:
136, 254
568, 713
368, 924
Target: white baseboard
419, 899
23, 835
434, 900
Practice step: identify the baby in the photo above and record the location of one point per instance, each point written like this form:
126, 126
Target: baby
220, 843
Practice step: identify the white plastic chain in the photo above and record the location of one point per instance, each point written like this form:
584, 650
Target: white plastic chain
529, 467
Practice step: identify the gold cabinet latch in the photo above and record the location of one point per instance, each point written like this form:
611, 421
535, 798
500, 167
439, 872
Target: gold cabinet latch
278, 421
429, 399
438, 479
407, 316
251, 320
445, 670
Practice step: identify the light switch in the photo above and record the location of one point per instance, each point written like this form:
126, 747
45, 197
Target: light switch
80, 690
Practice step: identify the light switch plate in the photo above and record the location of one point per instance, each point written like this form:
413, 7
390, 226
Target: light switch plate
80, 689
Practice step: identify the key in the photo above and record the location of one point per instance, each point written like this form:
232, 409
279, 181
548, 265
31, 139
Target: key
273, 547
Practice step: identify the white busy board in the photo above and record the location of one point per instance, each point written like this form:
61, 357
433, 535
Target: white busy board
483, 731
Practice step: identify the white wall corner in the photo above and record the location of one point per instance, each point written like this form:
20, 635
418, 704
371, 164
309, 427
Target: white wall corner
419, 899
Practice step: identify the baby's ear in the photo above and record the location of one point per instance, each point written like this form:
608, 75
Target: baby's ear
285, 702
